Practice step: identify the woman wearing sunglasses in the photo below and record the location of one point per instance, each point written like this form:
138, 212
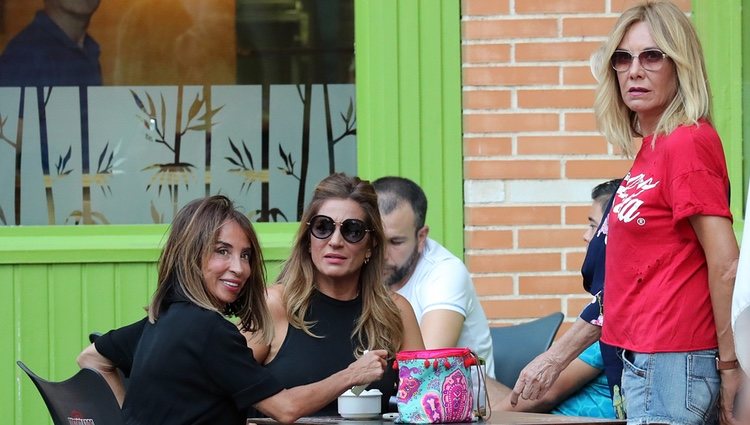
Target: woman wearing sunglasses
187, 364
671, 254
330, 303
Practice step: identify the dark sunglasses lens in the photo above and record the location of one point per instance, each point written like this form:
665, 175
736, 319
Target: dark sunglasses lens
621, 60
322, 227
650, 58
353, 230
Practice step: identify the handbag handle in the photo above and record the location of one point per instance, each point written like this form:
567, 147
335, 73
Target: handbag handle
482, 388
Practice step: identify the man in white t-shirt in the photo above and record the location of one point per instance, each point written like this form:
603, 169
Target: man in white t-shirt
435, 282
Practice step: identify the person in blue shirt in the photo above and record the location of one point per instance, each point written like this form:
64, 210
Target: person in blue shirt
54, 49
582, 387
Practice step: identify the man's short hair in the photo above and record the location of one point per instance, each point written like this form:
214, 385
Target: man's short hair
392, 191
603, 191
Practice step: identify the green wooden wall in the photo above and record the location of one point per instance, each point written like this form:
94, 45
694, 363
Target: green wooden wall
720, 31
58, 283
409, 98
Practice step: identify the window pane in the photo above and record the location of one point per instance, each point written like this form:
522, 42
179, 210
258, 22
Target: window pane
253, 99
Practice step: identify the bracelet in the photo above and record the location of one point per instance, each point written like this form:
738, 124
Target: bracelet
728, 365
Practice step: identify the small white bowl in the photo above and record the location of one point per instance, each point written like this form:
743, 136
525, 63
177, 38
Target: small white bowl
363, 406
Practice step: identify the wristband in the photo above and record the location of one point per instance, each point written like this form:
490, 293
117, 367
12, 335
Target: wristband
722, 365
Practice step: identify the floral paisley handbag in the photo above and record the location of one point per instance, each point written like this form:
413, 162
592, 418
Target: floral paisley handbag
435, 386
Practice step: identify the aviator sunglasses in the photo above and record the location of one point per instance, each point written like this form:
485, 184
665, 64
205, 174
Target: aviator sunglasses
649, 59
352, 230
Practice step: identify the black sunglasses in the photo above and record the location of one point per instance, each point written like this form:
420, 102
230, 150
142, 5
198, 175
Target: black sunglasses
650, 59
352, 230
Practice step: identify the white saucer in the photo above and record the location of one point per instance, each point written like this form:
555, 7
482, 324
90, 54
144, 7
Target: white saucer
361, 416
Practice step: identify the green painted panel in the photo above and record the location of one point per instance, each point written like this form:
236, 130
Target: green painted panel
65, 310
720, 30
8, 369
32, 337
115, 243
411, 137
451, 194
409, 71
133, 290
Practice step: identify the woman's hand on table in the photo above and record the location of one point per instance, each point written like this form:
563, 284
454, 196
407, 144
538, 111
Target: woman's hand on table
368, 368
536, 378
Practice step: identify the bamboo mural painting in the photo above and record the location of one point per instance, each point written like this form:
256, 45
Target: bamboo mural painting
125, 155
41, 104
16, 146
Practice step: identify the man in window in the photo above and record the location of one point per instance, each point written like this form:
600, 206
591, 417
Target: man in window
54, 49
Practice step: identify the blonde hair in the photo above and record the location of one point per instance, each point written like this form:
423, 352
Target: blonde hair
193, 234
674, 34
379, 325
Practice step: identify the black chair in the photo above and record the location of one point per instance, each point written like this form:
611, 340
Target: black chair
83, 398
515, 346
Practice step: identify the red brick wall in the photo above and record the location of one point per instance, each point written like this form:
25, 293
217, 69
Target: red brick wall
531, 149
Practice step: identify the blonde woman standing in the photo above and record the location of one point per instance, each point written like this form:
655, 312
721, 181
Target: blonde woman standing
671, 252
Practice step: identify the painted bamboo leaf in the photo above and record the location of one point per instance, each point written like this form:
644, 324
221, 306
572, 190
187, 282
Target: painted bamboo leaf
155, 216
151, 106
349, 111
195, 107
199, 127
138, 102
283, 156
248, 154
101, 157
62, 162
67, 155
209, 115
232, 160
236, 152
100, 216
163, 113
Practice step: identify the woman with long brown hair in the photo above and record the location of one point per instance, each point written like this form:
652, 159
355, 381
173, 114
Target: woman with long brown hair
330, 304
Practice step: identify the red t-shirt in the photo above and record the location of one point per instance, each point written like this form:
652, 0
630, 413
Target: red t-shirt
656, 288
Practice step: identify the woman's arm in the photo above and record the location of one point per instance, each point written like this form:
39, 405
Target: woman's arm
412, 334
92, 359
289, 405
541, 373
571, 379
716, 236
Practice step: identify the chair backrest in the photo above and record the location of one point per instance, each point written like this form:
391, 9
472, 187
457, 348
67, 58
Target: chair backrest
515, 346
85, 398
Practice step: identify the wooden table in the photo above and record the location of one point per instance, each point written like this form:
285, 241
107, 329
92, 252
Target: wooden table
498, 418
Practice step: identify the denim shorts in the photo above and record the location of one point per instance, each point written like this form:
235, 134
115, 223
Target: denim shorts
671, 388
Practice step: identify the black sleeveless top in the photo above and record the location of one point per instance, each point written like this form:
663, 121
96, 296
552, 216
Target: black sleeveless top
303, 359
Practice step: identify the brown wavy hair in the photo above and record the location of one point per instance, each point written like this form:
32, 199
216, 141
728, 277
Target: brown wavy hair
380, 324
193, 234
